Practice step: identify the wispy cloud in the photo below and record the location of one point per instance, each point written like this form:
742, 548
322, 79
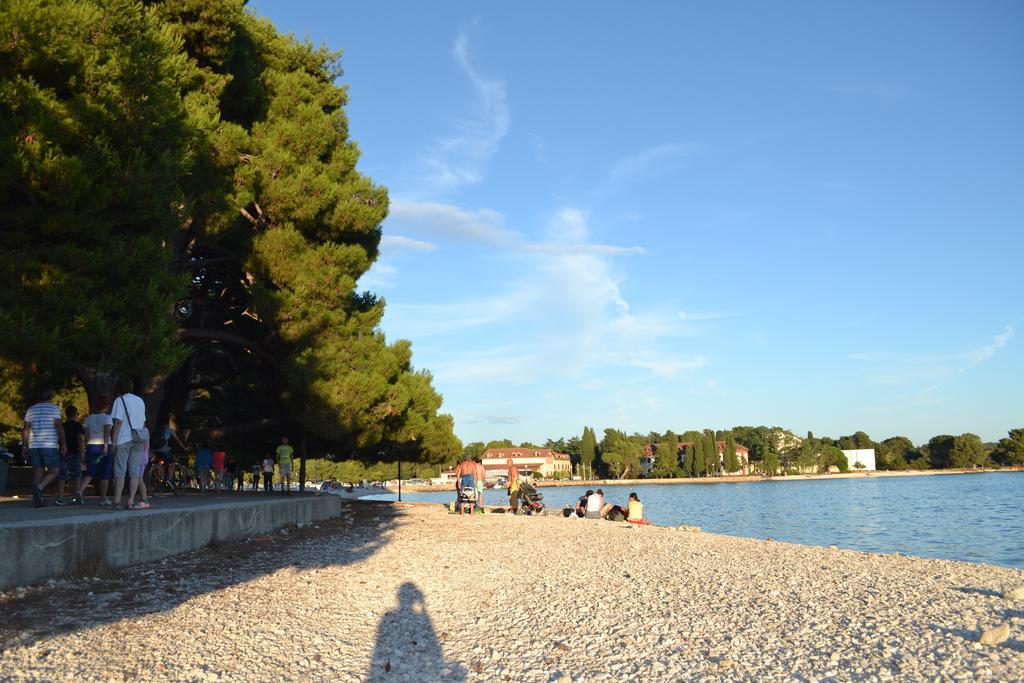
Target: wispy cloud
561, 313
486, 227
459, 159
380, 276
399, 243
982, 353
493, 419
655, 160
929, 372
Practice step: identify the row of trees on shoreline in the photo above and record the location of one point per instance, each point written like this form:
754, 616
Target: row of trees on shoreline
772, 450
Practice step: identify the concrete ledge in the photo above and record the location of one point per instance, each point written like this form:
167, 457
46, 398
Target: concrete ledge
33, 551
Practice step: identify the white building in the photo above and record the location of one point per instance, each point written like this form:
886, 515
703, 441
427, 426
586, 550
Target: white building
864, 456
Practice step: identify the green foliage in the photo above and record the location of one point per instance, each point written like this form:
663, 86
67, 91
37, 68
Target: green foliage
939, 449
967, 451
894, 453
146, 146
500, 443
732, 462
474, 449
770, 463
1010, 451
588, 451
711, 455
666, 459
94, 142
620, 454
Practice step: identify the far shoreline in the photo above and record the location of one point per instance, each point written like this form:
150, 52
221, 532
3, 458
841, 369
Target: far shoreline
728, 479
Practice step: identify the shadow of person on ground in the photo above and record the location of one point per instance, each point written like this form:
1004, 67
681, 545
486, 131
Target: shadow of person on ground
34, 614
407, 645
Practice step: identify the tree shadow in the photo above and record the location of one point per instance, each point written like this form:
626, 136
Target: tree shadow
101, 596
407, 645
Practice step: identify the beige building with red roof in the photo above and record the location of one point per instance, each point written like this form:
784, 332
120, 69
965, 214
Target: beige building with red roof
543, 461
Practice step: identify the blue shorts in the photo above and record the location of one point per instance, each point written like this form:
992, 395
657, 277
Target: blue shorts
97, 465
45, 457
71, 467
166, 457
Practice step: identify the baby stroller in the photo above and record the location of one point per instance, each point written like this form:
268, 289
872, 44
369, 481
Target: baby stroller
529, 498
467, 494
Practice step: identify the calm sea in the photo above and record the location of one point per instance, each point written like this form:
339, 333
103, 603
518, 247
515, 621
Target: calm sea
971, 517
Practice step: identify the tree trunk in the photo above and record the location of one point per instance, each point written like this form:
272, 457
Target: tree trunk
97, 383
302, 461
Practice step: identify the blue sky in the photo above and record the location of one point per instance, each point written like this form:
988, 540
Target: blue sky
686, 215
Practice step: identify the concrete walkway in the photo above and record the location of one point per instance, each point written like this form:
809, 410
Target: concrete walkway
43, 543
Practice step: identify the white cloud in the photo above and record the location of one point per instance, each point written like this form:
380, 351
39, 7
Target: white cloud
484, 226
398, 243
379, 276
563, 308
659, 159
459, 159
932, 371
983, 353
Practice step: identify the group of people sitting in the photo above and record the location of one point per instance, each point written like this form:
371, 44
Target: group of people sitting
591, 505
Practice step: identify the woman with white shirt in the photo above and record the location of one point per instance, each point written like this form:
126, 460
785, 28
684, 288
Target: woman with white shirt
595, 502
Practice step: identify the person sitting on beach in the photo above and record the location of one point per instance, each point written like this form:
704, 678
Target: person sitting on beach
635, 510
595, 501
613, 513
581, 504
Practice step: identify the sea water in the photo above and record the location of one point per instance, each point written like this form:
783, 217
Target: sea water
971, 517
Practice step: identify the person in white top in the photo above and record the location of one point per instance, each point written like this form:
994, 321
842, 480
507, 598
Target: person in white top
595, 502
42, 437
131, 443
98, 456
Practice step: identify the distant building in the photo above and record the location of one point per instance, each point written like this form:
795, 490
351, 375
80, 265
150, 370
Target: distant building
543, 461
864, 456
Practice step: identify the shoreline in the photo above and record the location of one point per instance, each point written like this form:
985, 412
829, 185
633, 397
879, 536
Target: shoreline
731, 479
661, 604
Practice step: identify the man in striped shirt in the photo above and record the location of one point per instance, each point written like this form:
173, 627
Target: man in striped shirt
42, 436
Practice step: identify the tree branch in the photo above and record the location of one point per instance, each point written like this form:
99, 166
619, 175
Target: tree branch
233, 430
217, 335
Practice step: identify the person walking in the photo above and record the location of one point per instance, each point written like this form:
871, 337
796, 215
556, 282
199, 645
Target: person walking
71, 461
513, 486
204, 461
230, 472
131, 441
481, 476
98, 456
284, 465
42, 437
162, 445
257, 470
268, 473
219, 458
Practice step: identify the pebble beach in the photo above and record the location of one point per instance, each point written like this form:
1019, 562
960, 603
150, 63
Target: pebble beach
407, 592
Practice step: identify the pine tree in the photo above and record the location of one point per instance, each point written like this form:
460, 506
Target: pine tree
587, 452
94, 141
732, 463
190, 142
711, 458
699, 460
